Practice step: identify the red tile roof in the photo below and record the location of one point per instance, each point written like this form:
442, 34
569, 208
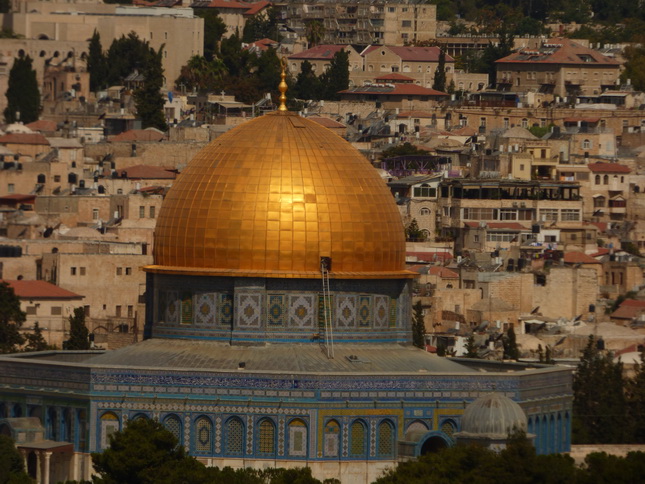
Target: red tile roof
394, 76
224, 4
320, 52
256, 7
139, 135
43, 125
560, 51
24, 139
263, 44
147, 172
601, 251
442, 272
579, 258
40, 290
608, 168
629, 309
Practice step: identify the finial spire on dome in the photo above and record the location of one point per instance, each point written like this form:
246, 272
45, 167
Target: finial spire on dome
283, 86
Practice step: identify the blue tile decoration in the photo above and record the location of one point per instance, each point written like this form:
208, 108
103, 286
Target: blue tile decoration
301, 311
381, 311
172, 307
276, 310
205, 309
248, 310
345, 311
364, 311
186, 308
225, 310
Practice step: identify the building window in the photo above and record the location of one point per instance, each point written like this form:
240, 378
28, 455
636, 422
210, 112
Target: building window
203, 435
425, 191
549, 214
406, 23
297, 438
266, 438
57, 178
119, 271
11, 187
142, 211
152, 211
385, 447
128, 271
448, 428
357, 439
95, 214
109, 425
597, 180
32, 310
482, 122
130, 311
118, 311
525, 123
56, 310
508, 214
586, 144
425, 211
599, 202
72, 271
83, 271
173, 425
507, 123
605, 180
570, 214
234, 437
332, 439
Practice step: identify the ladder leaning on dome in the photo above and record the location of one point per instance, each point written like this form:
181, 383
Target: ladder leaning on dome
326, 339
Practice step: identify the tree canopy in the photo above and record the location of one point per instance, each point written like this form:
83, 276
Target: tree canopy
148, 98
12, 468
418, 326
336, 77
23, 96
78, 333
11, 319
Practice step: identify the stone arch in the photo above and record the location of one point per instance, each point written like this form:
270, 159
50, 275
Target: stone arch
433, 442
358, 439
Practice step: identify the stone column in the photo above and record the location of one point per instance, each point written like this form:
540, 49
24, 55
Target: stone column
45, 460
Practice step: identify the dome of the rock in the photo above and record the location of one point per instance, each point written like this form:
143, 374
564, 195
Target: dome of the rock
270, 198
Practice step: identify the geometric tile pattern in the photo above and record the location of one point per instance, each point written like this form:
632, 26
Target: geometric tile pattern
297, 438
372, 431
249, 434
205, 308
345, 311
281, 435
301, 311
381, 311
276, 310
357, 439
172, 307
321, 310
225, 310
332, 440
186, 308
364, 312
385, 439
203, 435
248, 312
218, 435
393, 313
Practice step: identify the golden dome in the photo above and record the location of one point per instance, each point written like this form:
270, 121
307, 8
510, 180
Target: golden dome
272, 196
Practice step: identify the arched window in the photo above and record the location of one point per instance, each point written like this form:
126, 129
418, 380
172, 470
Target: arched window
586, 144
173, 425
597, 179
17, 411
266, 438
53, 427
68, 425
332, 439
41, 178
385, 445
605, 180
599, 202
203, 436
81, 434
525, 123
357, 439
109, 425
425, 211
448, 427
139, 416
297, 438
234, 437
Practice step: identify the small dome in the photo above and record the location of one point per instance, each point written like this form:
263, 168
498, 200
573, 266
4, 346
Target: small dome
494, 416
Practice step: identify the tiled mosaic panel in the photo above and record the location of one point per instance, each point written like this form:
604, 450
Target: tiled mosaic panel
172, 307
381, 311
393, 313
204, 435
186, 308
332, 439
321, 310
297, 439
248, 310
302, 311
205, 308
225, 310
364, 311
276, 310
345, 311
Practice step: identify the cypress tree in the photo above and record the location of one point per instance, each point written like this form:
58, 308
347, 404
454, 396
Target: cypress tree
78, 333
96, 63
336, 78
11, 319
439, 83
148, 99
35, 340
23, 95
509, 342
418, 326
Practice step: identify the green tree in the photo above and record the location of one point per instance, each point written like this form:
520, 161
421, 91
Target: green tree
96, 63
509, 342
12, 468
201, 75
599, 407
315, 32
146, 453
126, 54
11, 319
35, 340
406, 149
214, 30
268, 71
307, 83
439, 83
418, 326
635, 396
78, 333
148, 98
262, 26
336, 78
471, 347
23, 96
413, 233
